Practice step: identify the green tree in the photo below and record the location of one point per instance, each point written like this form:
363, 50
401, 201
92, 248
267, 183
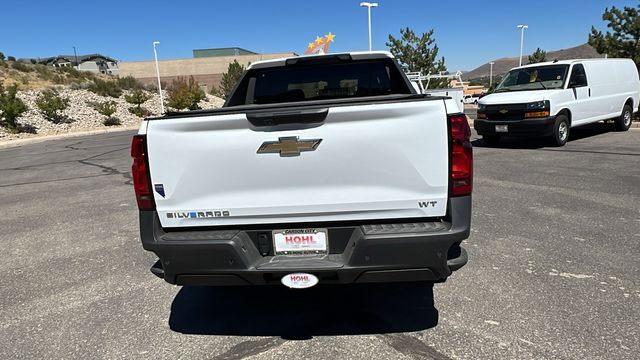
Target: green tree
418, 53
1, 56
51, 105
185, 94
229, 79
11, 107
623, 40
538, 56
138, 97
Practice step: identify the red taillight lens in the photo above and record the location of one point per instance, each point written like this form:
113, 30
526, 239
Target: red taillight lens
461, 157
140, 173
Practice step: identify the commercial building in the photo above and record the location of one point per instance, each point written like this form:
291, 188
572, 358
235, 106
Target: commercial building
206, 67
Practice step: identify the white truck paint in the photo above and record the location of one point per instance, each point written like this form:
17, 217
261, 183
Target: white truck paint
374, 162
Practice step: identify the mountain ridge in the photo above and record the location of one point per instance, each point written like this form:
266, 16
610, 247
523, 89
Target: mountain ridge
503, 65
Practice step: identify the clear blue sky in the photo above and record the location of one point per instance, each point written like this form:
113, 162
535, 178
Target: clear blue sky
469, 33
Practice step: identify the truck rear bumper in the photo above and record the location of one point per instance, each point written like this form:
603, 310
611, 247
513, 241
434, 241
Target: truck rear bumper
541, 127
358, 253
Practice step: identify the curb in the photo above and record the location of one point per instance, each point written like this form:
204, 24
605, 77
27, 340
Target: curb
18, 142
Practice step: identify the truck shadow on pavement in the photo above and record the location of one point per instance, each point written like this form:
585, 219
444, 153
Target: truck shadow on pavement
302, 314
575, 134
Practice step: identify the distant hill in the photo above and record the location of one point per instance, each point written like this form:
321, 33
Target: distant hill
501, 66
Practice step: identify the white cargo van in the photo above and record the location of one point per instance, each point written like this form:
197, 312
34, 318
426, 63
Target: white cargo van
550, 98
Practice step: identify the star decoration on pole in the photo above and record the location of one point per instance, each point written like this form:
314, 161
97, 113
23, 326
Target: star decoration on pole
320, 45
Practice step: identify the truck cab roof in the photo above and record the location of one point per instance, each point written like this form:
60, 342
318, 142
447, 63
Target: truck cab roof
355, 55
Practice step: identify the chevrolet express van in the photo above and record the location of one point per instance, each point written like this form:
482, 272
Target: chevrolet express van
550, 98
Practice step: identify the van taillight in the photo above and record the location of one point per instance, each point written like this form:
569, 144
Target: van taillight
461, 156
140, 173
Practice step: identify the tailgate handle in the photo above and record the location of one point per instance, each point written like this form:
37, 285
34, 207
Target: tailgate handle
289, 117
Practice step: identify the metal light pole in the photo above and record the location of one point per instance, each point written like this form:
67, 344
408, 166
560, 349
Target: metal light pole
369, 5
76, 55
491, 73
522, 27
155, 54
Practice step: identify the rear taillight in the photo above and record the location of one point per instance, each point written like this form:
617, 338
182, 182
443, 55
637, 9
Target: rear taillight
461, 156
140, 173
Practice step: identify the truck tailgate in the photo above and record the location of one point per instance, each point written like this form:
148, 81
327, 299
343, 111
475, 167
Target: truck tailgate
372, 161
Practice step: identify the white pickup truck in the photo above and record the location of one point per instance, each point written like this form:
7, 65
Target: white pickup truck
318, 169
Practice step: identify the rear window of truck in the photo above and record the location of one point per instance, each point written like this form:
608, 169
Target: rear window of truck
319, 81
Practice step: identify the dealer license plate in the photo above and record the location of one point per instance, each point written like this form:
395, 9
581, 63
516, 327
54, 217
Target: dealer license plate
300, 241
502, 128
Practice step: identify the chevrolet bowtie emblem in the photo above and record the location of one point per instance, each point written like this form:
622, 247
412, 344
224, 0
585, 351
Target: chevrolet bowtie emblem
288, 146
503, 111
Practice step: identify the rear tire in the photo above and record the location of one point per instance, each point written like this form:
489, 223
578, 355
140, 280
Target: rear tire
491, 140
623, 123
560, 130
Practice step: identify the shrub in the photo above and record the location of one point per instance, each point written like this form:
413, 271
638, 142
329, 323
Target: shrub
151, 87
139, 111
185, 95
75, 75
11, 107
105, 88
111, 121
11, 58
129, 82
58, 79
106, 108
137, 98
21, 66
1, 56
44, 72
51, 104
80, 85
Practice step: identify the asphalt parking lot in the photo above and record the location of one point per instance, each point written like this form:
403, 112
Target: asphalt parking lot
553, 272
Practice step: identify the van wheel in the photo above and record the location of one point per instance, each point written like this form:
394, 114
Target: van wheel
491, 140
561, 130
623, 123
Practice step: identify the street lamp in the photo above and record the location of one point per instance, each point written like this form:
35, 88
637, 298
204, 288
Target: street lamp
76, 56
491, 73
369, 5
522, 27
155, 54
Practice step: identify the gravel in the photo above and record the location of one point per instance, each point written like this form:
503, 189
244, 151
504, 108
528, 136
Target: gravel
81, 114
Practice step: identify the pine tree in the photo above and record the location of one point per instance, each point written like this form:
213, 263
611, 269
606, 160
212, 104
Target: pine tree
538, 56
229, 79
418, 53
623, 40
